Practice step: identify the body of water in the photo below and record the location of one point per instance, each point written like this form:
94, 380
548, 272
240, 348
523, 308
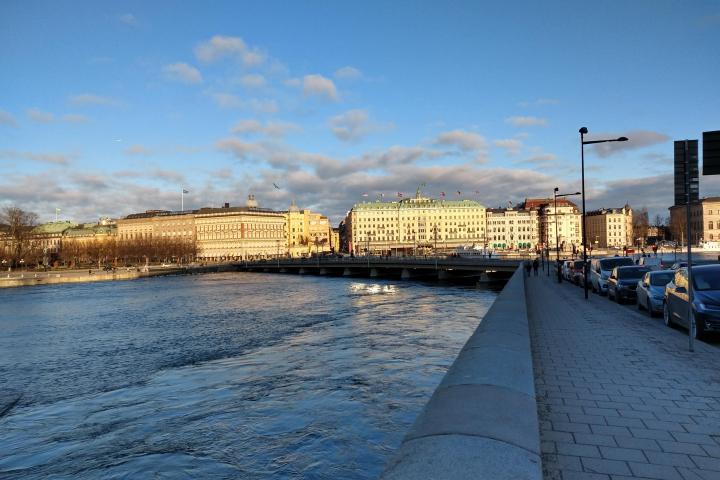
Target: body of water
234, 375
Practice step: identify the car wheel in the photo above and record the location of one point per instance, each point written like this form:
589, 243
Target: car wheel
666, 315
699, 329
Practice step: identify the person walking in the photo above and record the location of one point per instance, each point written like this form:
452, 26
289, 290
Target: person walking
527, 267
535, 266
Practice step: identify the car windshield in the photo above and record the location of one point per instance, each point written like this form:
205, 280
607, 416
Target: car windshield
661, 279
578, 265
610, 263
632, 272
707, 279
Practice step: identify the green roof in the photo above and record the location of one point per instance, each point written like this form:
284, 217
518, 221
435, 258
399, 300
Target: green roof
90, 231
418, 203
53, 227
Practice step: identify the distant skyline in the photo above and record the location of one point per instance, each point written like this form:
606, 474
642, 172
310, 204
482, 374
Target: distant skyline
111, 108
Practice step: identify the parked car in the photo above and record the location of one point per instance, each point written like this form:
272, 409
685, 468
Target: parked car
706, 299
623, 281
565, 269
576, 272
651, 290
600, 269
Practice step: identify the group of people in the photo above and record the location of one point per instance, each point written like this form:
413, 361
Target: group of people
534, 265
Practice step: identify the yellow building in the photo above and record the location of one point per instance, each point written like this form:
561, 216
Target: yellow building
417, 225
308, 232
157, 224
705, 221
609, 227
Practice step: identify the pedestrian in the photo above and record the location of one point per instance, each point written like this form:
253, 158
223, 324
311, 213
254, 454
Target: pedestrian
535, 266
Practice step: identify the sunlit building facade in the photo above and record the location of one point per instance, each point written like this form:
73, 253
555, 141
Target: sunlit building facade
561, 227
512, 228
417, 225
610, 227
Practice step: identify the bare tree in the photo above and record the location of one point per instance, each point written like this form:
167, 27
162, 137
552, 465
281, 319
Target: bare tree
659, 221
641, 223
19, 224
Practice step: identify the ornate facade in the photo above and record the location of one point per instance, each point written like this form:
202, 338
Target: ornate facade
609, 227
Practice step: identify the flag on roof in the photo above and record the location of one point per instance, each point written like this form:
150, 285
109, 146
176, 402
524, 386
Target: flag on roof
459, 192
382, 195
365, 194
185, 191
442, 194
399, 194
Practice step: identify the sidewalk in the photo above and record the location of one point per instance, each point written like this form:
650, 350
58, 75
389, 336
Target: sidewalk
619, 395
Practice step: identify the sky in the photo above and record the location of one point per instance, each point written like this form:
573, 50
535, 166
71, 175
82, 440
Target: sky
112, 108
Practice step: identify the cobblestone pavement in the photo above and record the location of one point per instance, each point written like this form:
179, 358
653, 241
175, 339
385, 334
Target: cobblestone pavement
619, 394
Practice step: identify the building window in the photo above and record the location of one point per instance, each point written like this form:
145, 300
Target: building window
710, 225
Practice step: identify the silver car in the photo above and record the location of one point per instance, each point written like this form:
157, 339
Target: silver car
651, 290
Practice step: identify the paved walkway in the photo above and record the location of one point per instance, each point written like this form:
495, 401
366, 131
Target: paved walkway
619, 395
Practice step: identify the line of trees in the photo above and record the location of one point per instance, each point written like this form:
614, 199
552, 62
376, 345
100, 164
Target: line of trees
111, 251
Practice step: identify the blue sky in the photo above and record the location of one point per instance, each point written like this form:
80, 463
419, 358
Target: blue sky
110, 108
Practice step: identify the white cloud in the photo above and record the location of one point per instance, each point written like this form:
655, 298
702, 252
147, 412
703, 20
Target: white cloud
263, 106
527, 121
129, 19
138, 150
219, 47
75, 118
182, 72
272, 129
227, 100
354, 125
86, 99
464, 140
348, 73
351, 125
636, 139
253, 80
6, 118
39, 116
320, 86
511, 145
239, 149
293, 82
54, 158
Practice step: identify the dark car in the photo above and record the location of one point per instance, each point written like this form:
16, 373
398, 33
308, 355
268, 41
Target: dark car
706, 299
623, 281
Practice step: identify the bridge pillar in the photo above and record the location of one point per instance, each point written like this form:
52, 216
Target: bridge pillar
347, 272
484, 278
374, 273
405, 274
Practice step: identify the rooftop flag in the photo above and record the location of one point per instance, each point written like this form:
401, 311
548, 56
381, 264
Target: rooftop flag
399, 194
185, 191
459, 193
442, 194
365, 194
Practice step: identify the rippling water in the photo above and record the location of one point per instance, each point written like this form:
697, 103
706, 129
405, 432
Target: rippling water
231, 375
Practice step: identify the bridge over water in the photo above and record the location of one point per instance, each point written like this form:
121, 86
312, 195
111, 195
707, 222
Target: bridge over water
420, 268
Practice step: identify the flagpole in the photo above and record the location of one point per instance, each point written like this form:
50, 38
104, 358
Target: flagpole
182, 199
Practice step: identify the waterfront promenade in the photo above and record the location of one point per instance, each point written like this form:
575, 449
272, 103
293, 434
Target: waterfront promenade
618, 393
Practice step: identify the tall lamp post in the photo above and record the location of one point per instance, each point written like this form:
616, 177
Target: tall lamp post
583, 142
557, 239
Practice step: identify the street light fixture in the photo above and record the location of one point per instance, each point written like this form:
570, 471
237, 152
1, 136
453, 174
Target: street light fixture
557, 238
583, 132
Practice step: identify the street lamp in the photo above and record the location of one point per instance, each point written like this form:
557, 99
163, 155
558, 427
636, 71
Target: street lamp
557, 238
583, 132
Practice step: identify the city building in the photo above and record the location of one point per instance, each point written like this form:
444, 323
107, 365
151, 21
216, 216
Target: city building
704, 216
414, 225
240, 233
308, 232
610, 227
47, 239
512, 228
157, 224
562, 227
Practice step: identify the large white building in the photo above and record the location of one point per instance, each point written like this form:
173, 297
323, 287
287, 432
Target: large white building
417, 225
512, 228
561, 226
610, 227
